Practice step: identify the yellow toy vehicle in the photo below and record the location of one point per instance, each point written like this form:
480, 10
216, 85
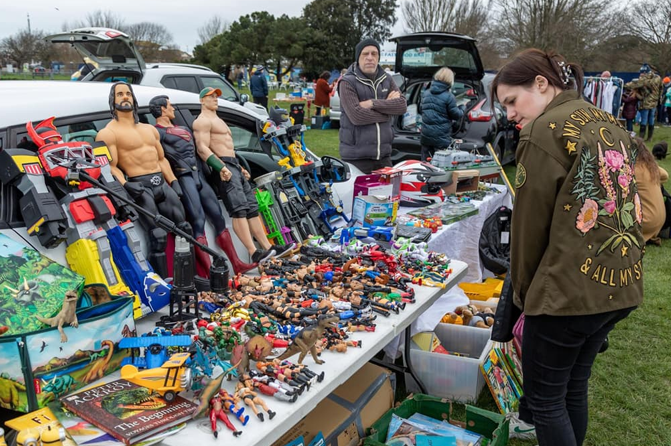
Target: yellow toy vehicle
168, 380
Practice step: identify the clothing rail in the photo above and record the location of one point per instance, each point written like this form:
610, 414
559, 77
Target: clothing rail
605, 93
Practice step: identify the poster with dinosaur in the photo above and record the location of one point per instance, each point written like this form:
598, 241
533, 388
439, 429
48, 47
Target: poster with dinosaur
90, 352
31, 285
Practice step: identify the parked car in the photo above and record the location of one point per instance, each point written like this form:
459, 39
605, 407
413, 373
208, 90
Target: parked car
82, 109
111, 55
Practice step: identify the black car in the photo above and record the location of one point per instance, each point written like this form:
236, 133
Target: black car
418, 57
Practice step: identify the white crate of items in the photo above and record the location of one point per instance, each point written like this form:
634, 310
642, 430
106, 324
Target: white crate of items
449, 376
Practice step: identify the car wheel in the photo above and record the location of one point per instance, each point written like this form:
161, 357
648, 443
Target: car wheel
169, 396
335, 124
499, 152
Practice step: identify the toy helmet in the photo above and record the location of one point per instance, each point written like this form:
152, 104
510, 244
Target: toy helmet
421, 183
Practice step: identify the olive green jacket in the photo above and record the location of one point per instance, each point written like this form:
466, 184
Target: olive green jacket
576, 236
650, 87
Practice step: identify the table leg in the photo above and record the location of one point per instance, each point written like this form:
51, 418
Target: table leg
407, 368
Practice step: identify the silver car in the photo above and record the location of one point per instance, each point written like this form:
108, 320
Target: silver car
110, 55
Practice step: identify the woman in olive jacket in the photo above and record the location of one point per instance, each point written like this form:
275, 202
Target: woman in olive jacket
575, 239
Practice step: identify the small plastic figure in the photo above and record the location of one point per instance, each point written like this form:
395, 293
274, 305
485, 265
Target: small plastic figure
251, 399
217, 411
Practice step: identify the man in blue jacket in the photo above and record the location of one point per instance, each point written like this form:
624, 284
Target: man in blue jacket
369, 99
259, 86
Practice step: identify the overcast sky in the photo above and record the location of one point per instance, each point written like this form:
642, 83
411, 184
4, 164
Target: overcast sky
181, 17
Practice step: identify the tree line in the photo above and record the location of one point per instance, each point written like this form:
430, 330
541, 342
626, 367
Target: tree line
599, 34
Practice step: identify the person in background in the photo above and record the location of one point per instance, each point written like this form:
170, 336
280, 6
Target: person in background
259, 86
649, 86
569, 230
439, 110
240, 78
667, 100
322, 92
649, 179
630, 100
369, 99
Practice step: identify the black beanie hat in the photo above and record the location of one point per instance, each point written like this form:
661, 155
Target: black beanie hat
363, 44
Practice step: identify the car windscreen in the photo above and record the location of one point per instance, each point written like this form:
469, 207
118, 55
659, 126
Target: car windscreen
422, 59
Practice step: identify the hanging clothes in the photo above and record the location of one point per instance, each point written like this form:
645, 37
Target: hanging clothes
605, 93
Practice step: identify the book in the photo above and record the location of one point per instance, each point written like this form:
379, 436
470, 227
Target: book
405, 432
85, 433
128, 412
502, 386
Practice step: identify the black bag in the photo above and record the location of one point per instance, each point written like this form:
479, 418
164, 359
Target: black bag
506, 315
667, 206
494, 245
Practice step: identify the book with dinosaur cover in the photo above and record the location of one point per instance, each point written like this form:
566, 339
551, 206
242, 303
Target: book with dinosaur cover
128, 412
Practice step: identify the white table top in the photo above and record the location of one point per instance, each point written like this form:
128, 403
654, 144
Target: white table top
459, 240
338, 368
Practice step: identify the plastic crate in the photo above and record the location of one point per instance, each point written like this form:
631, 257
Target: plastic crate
482, 291
492, 425
449, 376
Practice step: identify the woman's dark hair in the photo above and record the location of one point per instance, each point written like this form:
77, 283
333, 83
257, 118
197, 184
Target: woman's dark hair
325, 75
523, 69
645, 158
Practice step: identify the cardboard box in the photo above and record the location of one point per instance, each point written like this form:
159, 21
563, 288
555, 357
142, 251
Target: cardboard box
462, 181
371, 211
384, 184
369, 394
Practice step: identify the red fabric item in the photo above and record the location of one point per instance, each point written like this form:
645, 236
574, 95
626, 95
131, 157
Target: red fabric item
322, 91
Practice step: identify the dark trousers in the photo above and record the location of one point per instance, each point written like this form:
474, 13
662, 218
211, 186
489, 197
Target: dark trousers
369, 165
557, 357
261, 100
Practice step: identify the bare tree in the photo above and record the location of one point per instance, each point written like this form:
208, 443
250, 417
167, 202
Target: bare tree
570, 27
213, 27
25, 47
99, 18
459, 16
149, 38
653, 25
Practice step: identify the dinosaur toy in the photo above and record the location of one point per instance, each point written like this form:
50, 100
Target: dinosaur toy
306, 339
67, 315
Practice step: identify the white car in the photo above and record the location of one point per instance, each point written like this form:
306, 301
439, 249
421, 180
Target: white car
82, 109
113, 57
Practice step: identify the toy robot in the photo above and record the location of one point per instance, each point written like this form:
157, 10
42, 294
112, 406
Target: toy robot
58, 206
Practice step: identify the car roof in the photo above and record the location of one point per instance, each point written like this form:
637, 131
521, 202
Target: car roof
24, 101
431, 33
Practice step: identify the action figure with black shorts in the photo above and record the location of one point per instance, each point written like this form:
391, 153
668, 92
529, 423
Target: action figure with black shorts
139, 164
199, 199
214, 142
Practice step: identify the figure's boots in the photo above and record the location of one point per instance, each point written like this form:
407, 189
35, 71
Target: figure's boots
226, 243
651, 130
203, 261
641, 132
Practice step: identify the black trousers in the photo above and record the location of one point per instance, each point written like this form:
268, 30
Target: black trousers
557, 357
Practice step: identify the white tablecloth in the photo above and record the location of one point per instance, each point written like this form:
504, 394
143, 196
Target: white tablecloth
459, 240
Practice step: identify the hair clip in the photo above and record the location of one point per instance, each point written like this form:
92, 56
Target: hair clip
566, 72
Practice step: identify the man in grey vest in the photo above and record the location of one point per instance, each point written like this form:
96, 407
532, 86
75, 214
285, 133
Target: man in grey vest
369, 99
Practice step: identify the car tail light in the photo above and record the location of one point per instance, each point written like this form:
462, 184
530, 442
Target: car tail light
471, 93
478, 114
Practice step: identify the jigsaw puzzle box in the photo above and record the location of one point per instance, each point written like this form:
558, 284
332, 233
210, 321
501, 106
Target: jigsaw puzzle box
35, 366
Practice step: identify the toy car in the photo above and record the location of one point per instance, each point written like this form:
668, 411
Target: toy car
168, 380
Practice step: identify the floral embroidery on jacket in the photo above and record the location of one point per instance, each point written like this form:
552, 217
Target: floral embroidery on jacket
619, 210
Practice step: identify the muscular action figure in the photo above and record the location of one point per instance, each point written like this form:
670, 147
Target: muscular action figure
199, 199
217, 411
136, 152
215, 146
